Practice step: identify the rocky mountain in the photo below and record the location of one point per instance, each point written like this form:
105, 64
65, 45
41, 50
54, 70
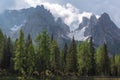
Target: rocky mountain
103, 30
34, 20
106, 31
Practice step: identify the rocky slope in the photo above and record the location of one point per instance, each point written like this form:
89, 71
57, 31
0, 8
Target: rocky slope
103, 30
34, 20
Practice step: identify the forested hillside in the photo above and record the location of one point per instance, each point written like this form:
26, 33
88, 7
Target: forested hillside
45, 59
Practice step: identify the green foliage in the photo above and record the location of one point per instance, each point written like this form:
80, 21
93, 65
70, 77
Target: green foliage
20, 55
64, 56
117, 64
91, 51
71, 64
113, 66
2, 39
55, 56
47, 60
84, 60
102, 61
7, 52
43, 51
30, 56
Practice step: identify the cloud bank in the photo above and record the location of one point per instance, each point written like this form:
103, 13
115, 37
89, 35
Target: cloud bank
13, 4
6, 4
69, 14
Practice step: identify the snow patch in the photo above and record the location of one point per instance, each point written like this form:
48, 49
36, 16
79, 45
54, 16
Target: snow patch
78, 35
16, 27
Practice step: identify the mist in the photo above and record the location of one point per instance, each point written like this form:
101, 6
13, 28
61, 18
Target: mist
6, 4
13, 4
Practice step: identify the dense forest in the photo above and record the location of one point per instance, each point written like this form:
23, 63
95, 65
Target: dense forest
44, 58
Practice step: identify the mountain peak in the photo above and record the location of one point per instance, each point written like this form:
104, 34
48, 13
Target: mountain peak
85, 20
93, 17
105, 16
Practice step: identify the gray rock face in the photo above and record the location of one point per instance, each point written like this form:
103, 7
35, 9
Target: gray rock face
106, 31
85, 22
103, 30
34, 20
92, 21
40, 19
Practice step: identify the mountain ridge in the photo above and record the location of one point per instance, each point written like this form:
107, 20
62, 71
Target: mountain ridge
33, 20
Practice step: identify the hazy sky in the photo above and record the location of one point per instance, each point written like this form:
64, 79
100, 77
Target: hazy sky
94, 6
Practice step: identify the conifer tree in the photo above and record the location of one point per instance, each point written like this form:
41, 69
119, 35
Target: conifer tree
117, 63
102, 61
71, 62
84, 58
2, 38
65, 51
20, 55
7, 54
43, 51
92, 58
113, 66
55, 57
30, 56
64, 56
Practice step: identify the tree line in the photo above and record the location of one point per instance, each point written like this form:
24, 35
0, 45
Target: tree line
46, 58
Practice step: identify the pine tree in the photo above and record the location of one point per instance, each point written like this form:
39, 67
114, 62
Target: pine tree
7, 54
84, 58
64, 55
30, 56
102, 61
20, 56
117, 63
71, 62
65, 51
2, 38
43, 51
113, 66
55, 57
92, 58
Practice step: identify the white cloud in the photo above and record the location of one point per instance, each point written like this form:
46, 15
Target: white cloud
69, 14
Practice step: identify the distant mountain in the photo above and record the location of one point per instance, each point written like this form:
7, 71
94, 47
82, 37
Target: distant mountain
103, 30
106, 31
39, 19
34, 20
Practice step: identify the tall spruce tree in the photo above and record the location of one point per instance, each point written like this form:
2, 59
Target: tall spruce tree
65, 51
92, 58
117, 63
113, 66
102, 61
71, 62
30, 56
85, 59
20, 55
7, 53
55, 57
43, 51
64, 56
2, 38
